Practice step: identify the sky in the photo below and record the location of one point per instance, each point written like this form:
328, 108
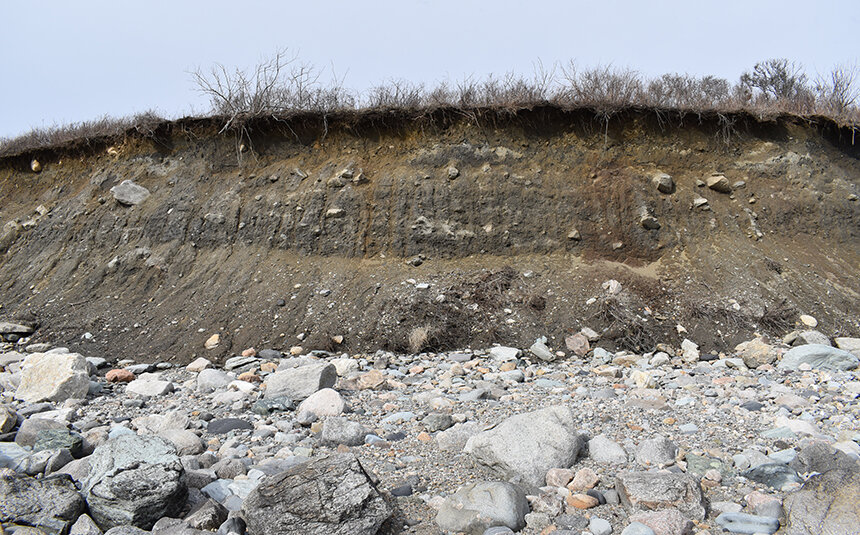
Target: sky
65, 61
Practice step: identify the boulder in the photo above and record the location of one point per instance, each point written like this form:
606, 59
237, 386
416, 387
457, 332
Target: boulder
134, 480
475, 508
756, 353
299, 383
656, 451
821, 457
336, 430
827, 503
330, 495
523, 447
53, 377
818, 356
851, 345
605, 450
210, 379
661, 490
129, 193
33, 426
52, 503
325, 402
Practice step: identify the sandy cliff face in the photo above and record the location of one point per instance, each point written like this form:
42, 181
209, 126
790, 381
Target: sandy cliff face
515, 221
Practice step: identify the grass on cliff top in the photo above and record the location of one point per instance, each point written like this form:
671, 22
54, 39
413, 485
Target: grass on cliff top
281, 87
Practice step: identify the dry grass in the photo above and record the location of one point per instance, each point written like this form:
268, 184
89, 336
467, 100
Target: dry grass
281, 87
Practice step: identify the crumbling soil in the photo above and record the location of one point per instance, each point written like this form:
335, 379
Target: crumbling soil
279, 236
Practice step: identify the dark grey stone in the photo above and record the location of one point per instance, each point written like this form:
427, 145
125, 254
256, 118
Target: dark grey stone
331, 495
820, 457
478, 506
52, 503
54, 439
220, 426
774, 475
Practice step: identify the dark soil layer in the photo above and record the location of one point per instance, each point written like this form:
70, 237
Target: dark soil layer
262, 237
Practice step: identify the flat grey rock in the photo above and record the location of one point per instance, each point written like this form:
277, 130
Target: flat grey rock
477, 507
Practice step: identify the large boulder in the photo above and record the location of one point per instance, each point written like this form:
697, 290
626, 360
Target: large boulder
134, 480
818, 356
478, 506
821, 457
827, 503
52, 503
522, 448
661, 490
299, 383
331, 495
53, 377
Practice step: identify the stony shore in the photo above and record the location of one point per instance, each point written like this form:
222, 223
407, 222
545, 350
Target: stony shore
487, 441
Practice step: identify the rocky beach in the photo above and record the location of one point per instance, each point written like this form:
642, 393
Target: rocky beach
568, 440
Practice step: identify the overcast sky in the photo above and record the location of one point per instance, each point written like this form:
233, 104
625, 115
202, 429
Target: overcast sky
63, 61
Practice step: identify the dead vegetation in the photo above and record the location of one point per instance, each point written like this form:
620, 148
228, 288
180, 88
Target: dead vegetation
282, 87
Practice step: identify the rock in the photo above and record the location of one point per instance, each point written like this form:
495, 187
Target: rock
221, 426
198, 365
186, 442
209, 515
84, 525
808, 320
719, 183
336, 430
649, 222
756, 353
265, 407
8, 419
818, 356
237, 362
656, 452
455, 439
212, 342
747, 524
52, 503
665, 522
30, 429
826, 504
690, 351
299, 383
599, 526
325, 402
453, 172
15, 327
149, 387
54, 439
330, 495
664, 183
541, 351
35, 166
581, 501
637, 528
437, 421
53, 377
14, 456
232, 526
604, 450
479, 506
851, 345
585, 479
559, 477
774, 475
578, 343
523, 447
820, 457
129, 193
503, 353
134, 480
119, 376
661, 490
210, 379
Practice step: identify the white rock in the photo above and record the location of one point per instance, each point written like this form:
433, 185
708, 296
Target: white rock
691, 351
149, 387
53, 377
808, 320
504, 354
345, 366
198, 365
129, 193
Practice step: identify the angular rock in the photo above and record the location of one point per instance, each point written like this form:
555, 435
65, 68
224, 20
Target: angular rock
210, 379
52, 503
820, 457
134, 480
198, 365
604, 450
665, 522
85, 526
54, 439
53, 377
220, 426
149, 387
656, 451
479, 506
331, 495
756, 353
578, 343
851, 345
719, 183
186, 442
541, 351
208, 515
747, 524
523, 447
664, 183
818, 356
774, 475
129, 193
454, 439
14, 327
337, 430
826, 504
661, 490
299, 383
33, 426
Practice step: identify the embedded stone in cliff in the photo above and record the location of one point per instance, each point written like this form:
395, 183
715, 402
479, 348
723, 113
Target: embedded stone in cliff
664, 183
129, 193
53, 377
719, 183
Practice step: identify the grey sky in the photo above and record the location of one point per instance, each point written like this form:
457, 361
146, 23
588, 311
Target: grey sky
65, 61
